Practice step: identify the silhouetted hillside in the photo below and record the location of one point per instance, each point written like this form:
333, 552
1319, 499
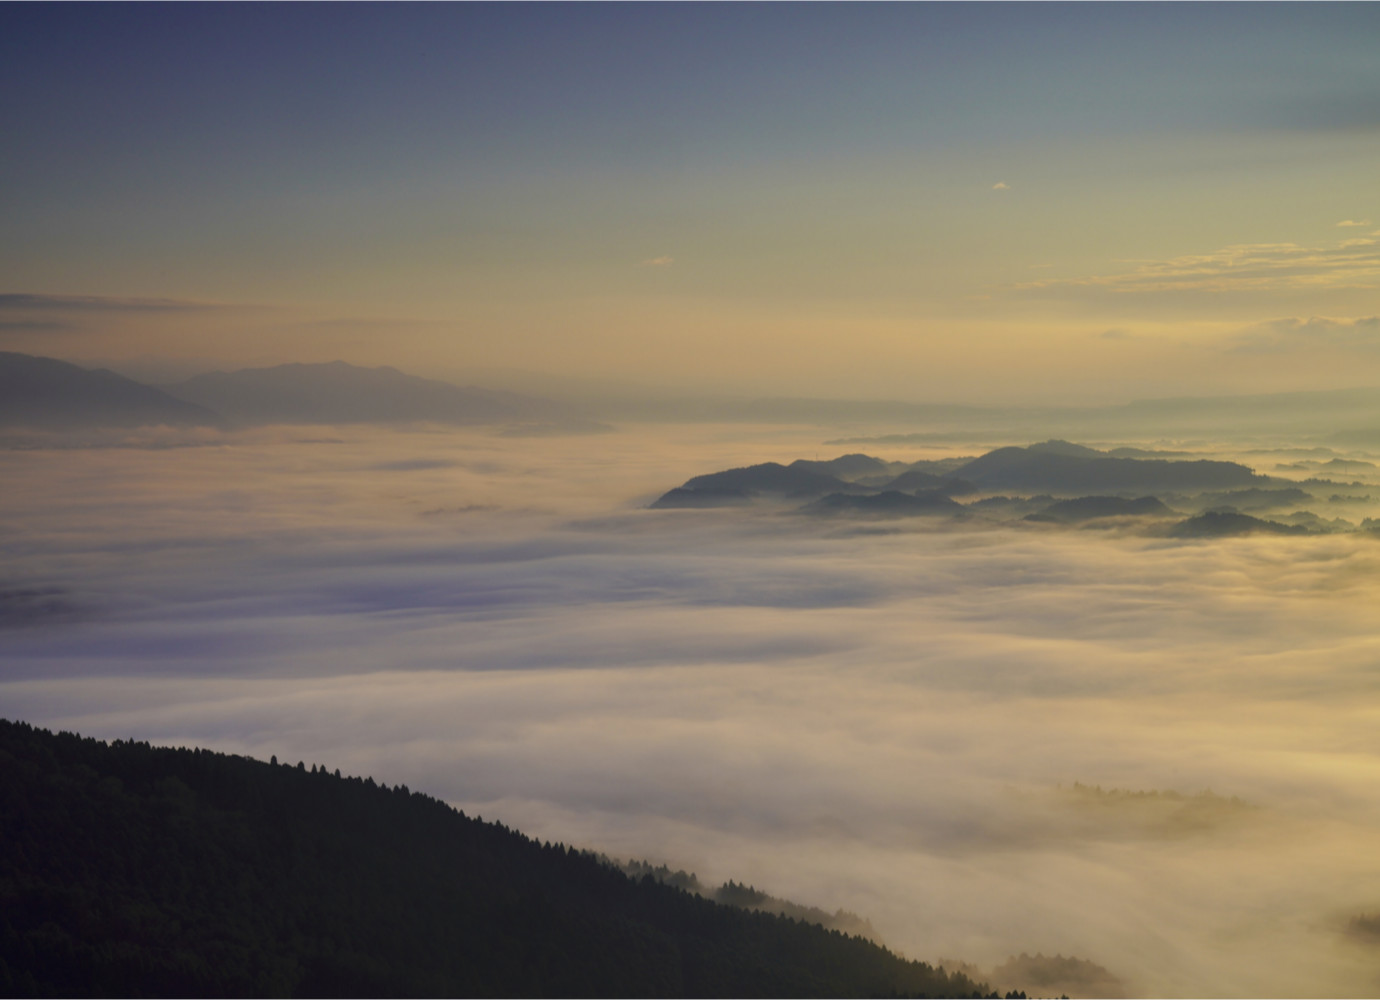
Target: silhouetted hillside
892, 503
1039, 468
1057, 447
770, 477
1057, 974
708, 496
1088, 508
339, 393
1217, 523
132, 870
1054, 467
49, 394
749, 898
850, 467
1256, 498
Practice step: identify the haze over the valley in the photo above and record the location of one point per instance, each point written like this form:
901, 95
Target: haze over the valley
397, 390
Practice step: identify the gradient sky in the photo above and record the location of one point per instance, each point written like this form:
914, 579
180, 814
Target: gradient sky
951, 202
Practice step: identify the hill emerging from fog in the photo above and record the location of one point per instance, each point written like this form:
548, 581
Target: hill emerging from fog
48, 394
340, 393
1058, 467
1054, 482
132, 870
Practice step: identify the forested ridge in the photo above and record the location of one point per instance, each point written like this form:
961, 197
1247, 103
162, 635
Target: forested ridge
133, 870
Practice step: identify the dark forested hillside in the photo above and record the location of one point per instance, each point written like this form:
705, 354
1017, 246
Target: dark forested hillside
127, 869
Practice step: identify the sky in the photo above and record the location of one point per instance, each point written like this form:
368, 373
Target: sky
948, 202
1154, 753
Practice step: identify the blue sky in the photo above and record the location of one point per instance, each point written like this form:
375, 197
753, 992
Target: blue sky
842, 190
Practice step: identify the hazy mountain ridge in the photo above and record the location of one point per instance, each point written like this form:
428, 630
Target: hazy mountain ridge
49, 394
128, 869
340, 393
45, 393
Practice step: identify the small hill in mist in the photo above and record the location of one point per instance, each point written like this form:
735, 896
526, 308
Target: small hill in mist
340, 393
890, 503
1222, 523
133, 870
852, 467
923, 479
770, 477
750, 898
707, 496
1090, 508
1057, 467
1059, 975
1256, 498
1067, 448
1048, 976
855, 474
48, 394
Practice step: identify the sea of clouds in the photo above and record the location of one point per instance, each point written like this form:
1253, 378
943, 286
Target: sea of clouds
1159, 755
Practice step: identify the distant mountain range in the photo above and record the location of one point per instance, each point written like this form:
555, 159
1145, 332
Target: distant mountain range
339, 393
50, 394
54, 395
57, 397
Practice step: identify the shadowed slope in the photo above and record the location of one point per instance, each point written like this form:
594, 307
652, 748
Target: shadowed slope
1090, 508
127, 869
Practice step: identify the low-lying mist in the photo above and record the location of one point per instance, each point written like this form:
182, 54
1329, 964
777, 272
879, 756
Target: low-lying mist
1156, 755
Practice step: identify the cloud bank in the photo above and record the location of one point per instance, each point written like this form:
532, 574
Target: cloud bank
99, 303
1155, 755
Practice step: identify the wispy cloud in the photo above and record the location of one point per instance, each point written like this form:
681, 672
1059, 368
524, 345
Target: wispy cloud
658, 262
1352, 222
1001, 186
1290, 333
1353, 263
35, 326
100, 303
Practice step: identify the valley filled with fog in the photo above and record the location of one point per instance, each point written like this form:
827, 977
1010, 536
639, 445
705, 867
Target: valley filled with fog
987, 736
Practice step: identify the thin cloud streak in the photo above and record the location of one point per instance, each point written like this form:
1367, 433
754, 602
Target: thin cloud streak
1246, 267
1292, 333
103, 303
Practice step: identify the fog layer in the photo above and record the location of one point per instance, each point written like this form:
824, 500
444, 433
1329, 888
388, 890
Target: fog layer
1157, 755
